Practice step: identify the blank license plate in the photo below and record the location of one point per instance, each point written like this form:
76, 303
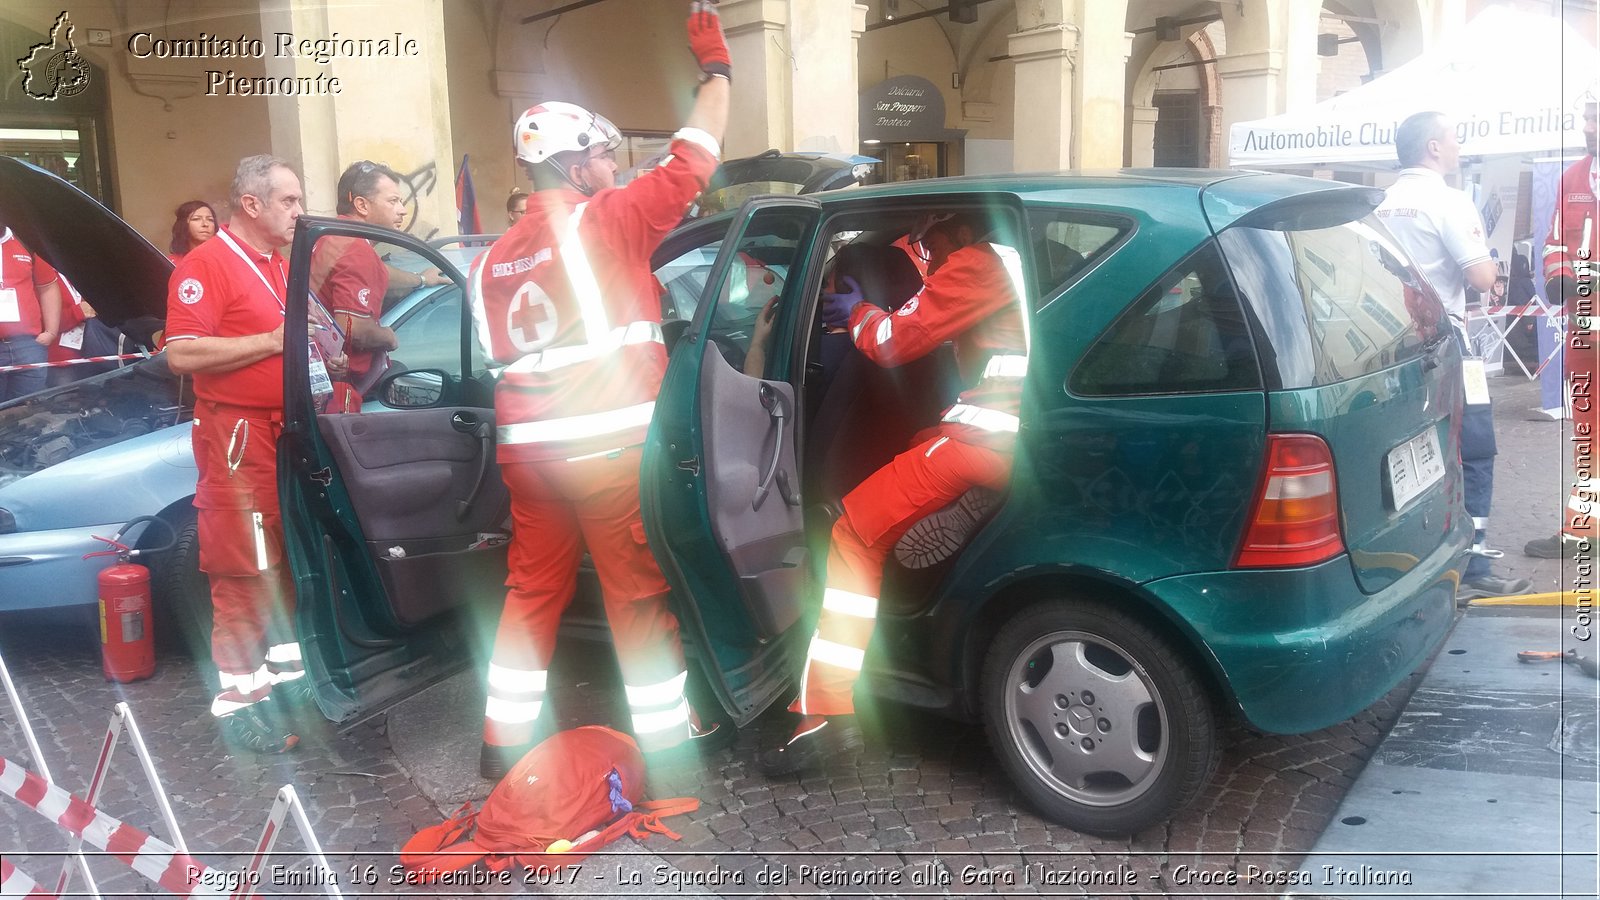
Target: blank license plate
1413, 466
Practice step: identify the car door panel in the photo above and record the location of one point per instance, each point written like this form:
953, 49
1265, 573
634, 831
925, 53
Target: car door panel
720, 488
753, 490
394, 517
432, 517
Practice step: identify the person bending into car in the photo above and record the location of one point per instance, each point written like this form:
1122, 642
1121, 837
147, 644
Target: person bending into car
351, 280
225, 308
566, 300
972, 296
1440, 229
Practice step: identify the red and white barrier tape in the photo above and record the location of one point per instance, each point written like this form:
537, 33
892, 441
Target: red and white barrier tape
71, 362
15, 883
176, 872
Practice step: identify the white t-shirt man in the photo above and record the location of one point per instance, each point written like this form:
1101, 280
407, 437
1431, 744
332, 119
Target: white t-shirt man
1440, 228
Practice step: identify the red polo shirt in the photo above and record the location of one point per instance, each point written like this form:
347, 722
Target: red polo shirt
350, 279
226, 288
22, 272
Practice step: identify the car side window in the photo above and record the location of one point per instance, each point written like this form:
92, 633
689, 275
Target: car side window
1186, 334
430, 335
1066, 241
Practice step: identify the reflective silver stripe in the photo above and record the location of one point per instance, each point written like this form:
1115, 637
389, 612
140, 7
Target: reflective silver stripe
659, 694
978, 417
517, 681
480, 316
285, 677
846, 603
885, 330
573, 428
700, 138
649, 723
284, 653
1012, 261
245, 684
585, 289
560, 357
936, 445
1006, 366
855, 333
832, 653
1480, 523
512, 712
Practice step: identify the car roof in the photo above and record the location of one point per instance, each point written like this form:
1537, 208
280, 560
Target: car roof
1229, 193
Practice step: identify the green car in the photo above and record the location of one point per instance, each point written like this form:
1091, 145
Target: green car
1236, 486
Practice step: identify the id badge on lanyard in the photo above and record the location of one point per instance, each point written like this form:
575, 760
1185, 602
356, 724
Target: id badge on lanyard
1475, 378
10, 309
321, 384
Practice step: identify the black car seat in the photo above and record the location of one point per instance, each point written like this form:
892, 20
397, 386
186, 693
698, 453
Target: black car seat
866, 413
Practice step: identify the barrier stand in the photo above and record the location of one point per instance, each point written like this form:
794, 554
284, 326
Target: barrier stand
76, 851
287, 801
122, 717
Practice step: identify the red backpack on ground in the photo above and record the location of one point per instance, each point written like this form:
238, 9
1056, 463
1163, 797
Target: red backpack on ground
582, 787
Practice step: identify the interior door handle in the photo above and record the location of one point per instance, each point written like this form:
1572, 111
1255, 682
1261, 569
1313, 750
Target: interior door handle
772, 402
468, 423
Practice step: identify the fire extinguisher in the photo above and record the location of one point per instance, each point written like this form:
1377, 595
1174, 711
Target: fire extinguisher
127, 641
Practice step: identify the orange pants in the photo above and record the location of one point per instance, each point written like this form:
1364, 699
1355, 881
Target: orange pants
241, 549
557, 508
922, 480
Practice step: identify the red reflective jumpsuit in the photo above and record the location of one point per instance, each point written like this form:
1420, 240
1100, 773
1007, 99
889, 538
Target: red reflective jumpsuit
350, 279
566, 299
972, 299
1570, 254
226, 288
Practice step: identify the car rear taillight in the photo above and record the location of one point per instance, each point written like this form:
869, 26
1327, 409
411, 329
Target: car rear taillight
1295, 521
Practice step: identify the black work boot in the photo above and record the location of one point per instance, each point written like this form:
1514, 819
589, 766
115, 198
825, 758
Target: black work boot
1557, 546
258, 728
494, 761
813, 741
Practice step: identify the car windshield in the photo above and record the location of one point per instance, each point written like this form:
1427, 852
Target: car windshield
53, 426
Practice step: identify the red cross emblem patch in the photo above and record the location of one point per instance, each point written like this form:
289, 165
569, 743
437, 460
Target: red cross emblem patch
531, 320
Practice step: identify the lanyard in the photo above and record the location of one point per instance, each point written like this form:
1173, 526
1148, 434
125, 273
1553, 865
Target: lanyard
228, 239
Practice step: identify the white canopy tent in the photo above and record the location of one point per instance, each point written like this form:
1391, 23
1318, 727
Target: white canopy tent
1510, 80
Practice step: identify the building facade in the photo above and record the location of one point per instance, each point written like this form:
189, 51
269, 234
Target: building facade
155, 102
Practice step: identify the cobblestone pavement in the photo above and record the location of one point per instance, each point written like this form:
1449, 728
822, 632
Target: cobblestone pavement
926, 791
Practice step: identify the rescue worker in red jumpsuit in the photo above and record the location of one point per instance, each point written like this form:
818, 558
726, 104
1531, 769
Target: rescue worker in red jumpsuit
566, 300
351, 280
225, 308
1569, 271
972, 297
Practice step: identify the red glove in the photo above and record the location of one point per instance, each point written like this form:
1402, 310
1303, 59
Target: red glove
710, 48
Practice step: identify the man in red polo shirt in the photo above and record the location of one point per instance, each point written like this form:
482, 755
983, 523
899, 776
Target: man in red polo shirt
567, 302
225, 308
30, 315
350, 279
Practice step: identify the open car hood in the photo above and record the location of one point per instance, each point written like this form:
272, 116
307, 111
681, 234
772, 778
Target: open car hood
112, 265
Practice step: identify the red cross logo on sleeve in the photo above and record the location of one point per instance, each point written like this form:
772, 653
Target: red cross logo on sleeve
531, 320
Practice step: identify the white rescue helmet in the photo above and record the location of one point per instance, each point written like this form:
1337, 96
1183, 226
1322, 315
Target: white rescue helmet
557, 127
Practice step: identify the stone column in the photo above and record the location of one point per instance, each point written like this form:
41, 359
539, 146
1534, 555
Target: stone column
1071, 65
794, 63
1142, 136
392, 109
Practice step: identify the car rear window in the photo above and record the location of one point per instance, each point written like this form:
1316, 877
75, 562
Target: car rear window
1335, 303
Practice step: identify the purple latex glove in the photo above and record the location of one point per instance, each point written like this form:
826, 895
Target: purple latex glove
836, 308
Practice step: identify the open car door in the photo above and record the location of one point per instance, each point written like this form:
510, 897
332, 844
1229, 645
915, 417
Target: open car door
720, 483
395, 516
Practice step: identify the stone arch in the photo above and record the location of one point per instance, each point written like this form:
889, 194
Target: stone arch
1143, 77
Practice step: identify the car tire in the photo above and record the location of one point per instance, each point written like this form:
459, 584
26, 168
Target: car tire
182, 592
1097, 718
